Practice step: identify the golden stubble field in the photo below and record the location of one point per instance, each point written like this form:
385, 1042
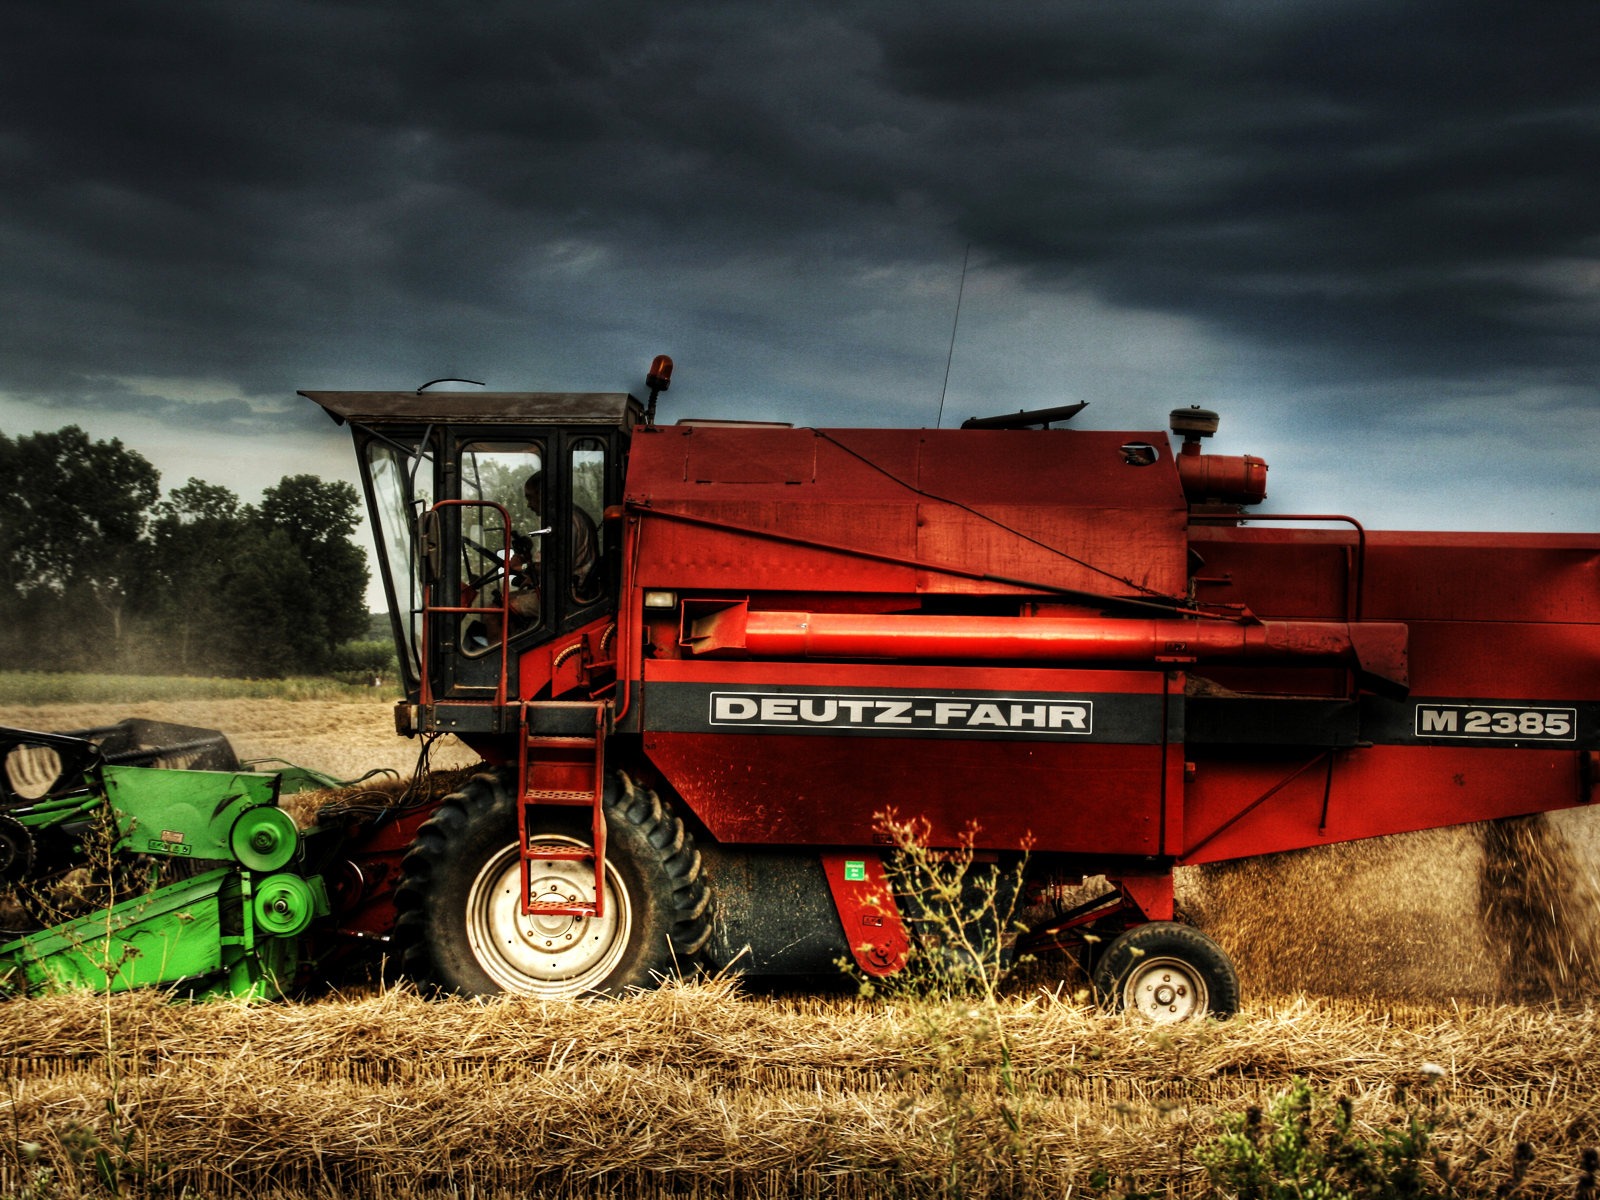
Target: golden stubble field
340, 737
1387, 973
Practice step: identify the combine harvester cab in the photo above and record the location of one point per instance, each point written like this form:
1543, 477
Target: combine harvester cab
144, 854
708, 665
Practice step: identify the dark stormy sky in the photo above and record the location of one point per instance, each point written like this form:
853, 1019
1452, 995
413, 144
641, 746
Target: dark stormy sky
1368, 233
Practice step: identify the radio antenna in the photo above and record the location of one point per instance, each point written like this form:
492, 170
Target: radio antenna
953, 326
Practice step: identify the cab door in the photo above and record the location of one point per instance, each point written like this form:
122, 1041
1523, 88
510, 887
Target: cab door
525, 555
492, 559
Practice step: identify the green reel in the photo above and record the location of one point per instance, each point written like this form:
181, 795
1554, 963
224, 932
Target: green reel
264, 839
284, 905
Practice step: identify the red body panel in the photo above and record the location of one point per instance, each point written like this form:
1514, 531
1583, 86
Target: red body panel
1289, 572
1371, 791
867, 910
1500, 624
809, 774
859, 510
792, 548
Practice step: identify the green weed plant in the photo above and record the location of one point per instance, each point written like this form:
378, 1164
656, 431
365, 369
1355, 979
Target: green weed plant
961, 917
1304, 1147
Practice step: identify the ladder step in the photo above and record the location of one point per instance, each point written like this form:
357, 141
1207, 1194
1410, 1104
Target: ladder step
561, 908
559, 852
557, 796
562, 744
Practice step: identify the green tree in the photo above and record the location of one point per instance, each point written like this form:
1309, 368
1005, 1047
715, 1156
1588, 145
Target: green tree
259, 590
73, 516
318, 516
94, 566
197, 538
270, 628
198, 501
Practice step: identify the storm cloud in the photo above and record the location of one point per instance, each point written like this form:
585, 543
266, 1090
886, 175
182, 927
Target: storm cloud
1363, 231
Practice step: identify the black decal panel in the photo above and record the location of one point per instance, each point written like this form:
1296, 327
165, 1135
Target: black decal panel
1102, 717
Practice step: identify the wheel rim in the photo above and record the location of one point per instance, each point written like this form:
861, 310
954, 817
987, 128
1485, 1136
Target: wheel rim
545, 954
1164, 990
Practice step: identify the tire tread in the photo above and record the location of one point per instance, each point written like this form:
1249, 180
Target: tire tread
677, 903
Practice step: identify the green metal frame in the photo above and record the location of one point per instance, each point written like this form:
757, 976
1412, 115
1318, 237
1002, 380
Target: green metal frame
233, 930
204, 931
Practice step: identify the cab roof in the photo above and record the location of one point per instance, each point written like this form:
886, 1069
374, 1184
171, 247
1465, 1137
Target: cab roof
481, 408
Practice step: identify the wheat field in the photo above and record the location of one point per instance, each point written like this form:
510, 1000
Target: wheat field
1445, 976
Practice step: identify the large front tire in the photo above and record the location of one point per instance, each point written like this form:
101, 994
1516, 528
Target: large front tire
1166, 973
461, 926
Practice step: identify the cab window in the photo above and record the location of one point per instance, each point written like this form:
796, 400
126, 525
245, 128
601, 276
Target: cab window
587, 475
502, 538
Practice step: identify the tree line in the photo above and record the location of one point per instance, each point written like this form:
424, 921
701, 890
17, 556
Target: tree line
99, 571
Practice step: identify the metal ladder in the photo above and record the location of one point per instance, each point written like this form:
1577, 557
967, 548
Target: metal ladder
562, 769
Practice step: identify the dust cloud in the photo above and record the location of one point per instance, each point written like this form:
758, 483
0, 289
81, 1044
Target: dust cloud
1504, 911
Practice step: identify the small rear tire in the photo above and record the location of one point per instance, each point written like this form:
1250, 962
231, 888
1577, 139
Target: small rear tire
461, 927
1167, 973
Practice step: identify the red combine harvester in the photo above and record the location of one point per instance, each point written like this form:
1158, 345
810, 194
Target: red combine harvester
702, 661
